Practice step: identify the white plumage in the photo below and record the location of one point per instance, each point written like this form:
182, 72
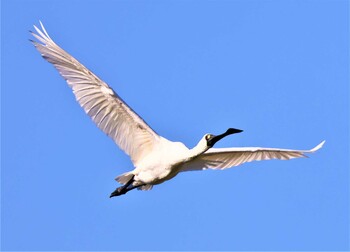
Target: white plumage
155, 158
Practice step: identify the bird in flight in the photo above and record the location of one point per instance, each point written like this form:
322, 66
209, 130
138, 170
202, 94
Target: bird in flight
155, 158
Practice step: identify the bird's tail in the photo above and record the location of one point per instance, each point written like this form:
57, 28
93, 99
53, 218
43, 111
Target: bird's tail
145, 187
125, 178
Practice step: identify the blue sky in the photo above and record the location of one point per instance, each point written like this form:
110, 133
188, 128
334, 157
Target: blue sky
279, 70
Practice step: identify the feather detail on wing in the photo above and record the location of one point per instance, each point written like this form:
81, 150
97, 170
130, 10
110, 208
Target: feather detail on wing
110, 113
223, 158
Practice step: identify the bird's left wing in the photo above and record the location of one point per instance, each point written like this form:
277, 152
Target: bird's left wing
222, 158
111, 114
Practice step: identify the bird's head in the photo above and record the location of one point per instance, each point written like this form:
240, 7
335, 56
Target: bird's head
212, 139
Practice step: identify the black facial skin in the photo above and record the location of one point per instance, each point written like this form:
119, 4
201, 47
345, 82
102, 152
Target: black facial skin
213, 139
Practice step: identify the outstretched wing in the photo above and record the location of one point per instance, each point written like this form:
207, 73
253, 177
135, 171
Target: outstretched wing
110, 113
223, 158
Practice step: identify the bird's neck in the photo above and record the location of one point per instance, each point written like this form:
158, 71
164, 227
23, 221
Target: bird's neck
199, 149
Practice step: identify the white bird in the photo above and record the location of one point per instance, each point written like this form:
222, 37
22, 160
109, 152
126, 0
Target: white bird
155, 158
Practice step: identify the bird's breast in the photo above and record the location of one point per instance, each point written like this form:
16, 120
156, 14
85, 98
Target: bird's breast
162, 164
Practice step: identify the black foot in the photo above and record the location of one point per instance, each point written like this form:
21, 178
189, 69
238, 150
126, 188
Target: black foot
123, 190
119, 191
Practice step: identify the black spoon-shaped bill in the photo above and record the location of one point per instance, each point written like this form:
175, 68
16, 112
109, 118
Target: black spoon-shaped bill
214, 139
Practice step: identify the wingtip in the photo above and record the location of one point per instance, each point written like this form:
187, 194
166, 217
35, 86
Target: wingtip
319, 146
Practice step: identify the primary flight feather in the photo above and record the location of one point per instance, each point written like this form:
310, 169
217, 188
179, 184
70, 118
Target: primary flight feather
155, 158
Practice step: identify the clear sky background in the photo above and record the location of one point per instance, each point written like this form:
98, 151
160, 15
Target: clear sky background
279, 70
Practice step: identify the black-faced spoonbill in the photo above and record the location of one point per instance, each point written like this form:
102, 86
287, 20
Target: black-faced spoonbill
155, 158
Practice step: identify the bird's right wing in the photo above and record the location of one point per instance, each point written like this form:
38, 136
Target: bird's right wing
111, 114
222, 158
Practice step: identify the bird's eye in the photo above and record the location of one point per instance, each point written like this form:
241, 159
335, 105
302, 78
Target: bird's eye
207, 137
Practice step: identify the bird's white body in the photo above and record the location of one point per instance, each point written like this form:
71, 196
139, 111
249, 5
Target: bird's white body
155, 158
164, 162
168, 155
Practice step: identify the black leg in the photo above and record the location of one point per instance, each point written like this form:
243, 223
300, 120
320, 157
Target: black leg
134, 187
125, 188
122, 189
129, 182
